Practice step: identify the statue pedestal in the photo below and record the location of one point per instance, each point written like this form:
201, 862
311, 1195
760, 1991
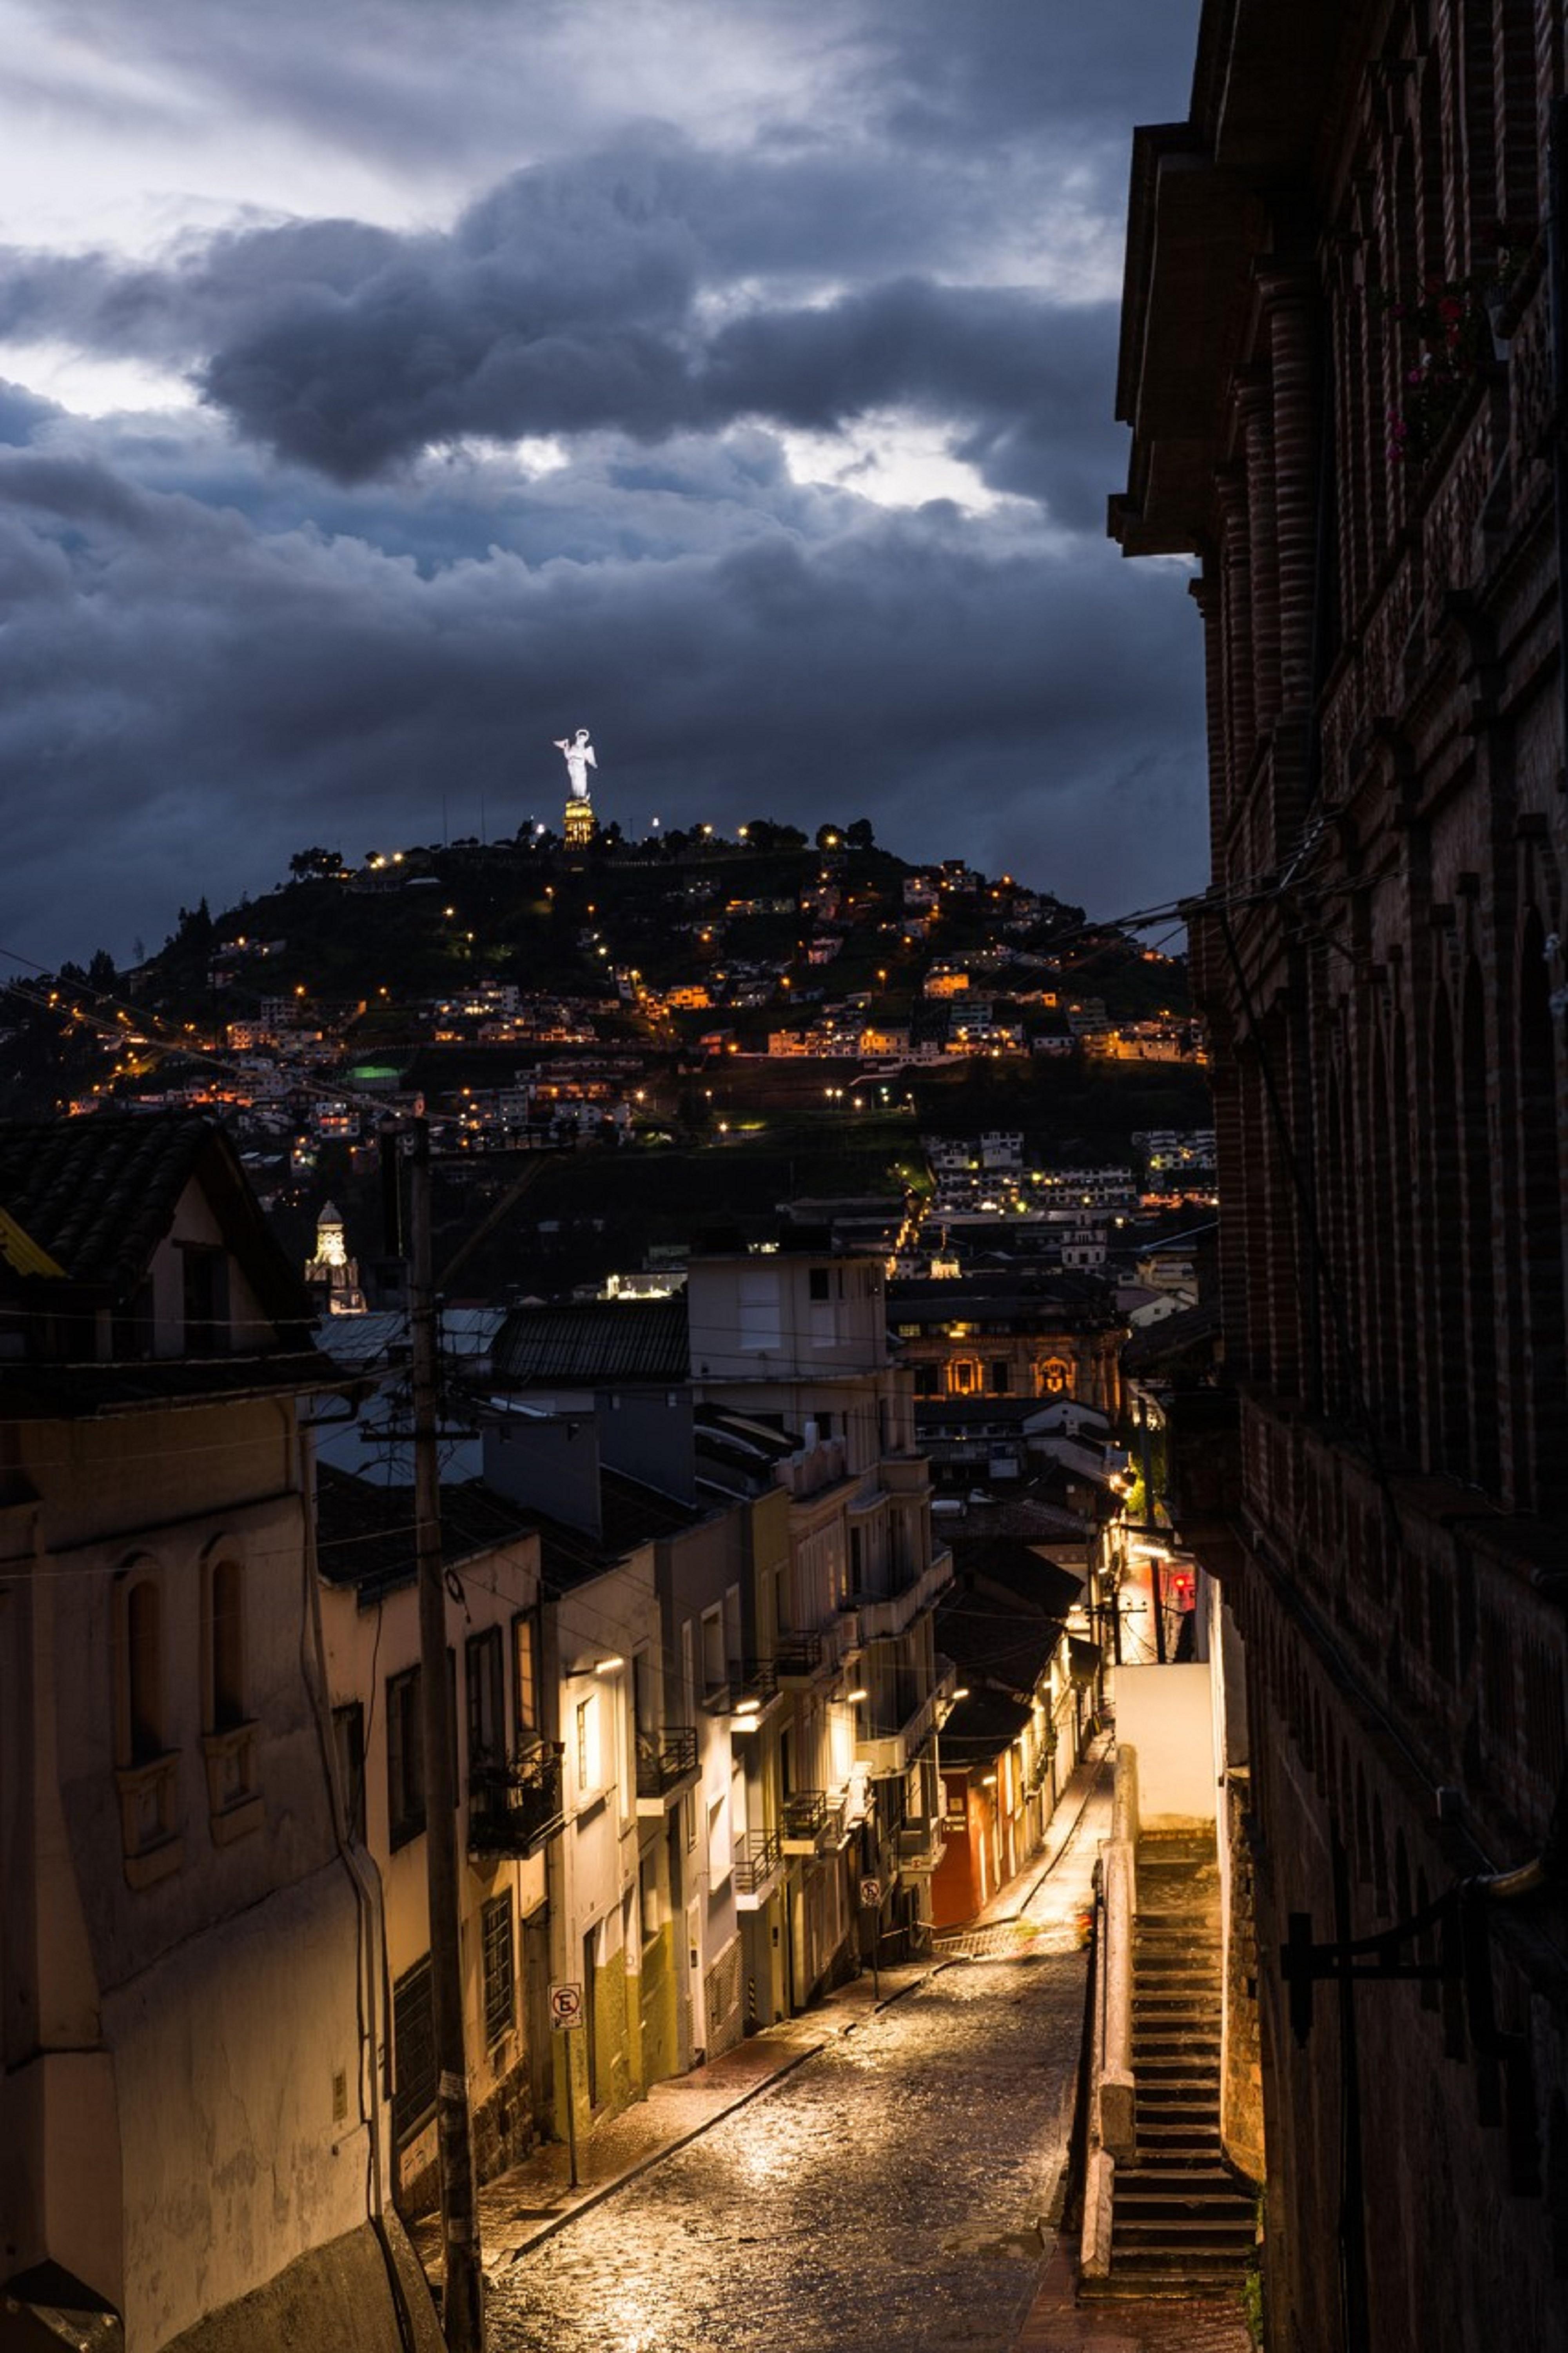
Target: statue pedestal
580, 827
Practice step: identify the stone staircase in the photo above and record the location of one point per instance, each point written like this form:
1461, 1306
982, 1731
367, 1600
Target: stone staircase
1182, 2221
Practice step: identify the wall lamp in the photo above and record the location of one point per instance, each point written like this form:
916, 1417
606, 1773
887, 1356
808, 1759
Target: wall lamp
604, 1667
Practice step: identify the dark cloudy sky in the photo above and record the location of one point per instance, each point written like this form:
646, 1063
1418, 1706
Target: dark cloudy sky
387, 386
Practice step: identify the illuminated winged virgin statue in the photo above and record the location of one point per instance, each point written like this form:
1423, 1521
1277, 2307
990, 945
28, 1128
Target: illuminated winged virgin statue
579, 756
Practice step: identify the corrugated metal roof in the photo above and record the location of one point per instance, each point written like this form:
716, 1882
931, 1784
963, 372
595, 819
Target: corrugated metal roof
595, 1340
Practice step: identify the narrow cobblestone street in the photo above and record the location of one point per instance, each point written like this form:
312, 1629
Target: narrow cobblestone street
889, 2193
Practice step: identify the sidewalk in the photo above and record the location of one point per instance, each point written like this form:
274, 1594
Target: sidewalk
532, 2201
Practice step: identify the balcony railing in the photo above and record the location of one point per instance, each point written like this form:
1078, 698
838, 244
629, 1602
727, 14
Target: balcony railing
745, 1679
894, 1749
514, 1802
798, 1657
666, 1761
813, 1821
759, 1857
803, 1815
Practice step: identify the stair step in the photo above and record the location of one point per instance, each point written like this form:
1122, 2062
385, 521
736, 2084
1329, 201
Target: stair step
1175, 2233
1196, 2197
1156, 2270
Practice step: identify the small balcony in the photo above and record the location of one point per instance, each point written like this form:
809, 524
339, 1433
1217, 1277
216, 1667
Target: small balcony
894, 1750
758, 1861
922, 1844
751, 1688
667, 1766
515, 1803
797, 1658
814, 1822
884, 1616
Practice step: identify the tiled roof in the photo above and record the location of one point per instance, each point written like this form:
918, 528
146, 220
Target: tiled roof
597, 1340
97, 1194
1029, 1579
994, 1641
364, 1531
981, 1727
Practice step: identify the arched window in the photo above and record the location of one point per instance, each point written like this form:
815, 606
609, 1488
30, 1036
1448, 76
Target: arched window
147, 1764
143, 1686
226, 1646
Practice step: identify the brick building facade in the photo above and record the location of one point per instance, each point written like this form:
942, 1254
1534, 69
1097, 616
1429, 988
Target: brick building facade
1339, 345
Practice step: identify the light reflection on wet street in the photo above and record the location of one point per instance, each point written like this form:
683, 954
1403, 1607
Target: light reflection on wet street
886, 2195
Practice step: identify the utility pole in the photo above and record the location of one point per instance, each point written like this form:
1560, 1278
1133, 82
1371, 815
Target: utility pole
463, 2316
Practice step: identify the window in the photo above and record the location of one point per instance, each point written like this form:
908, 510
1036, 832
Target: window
525, 1673
817, 1282
414, 2050
757, 1311
205, 1302
348, 1739
715, 1669
965, 1376
144, 1673
405, 1758
645, 1712
718, 1839
485, 1664
147, 1766
499, 1968
998, 1379
925, 1380
226, 1707
589, 1766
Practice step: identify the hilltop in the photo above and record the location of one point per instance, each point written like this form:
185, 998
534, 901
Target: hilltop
766, 1018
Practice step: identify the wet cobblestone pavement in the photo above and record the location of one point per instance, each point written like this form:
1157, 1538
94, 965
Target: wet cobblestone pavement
887, 2195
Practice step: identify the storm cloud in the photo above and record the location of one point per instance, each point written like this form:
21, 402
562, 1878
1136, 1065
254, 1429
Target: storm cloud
743, 387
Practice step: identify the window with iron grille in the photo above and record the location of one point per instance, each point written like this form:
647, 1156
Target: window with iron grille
414, 2050
499, 1967
485, 1662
